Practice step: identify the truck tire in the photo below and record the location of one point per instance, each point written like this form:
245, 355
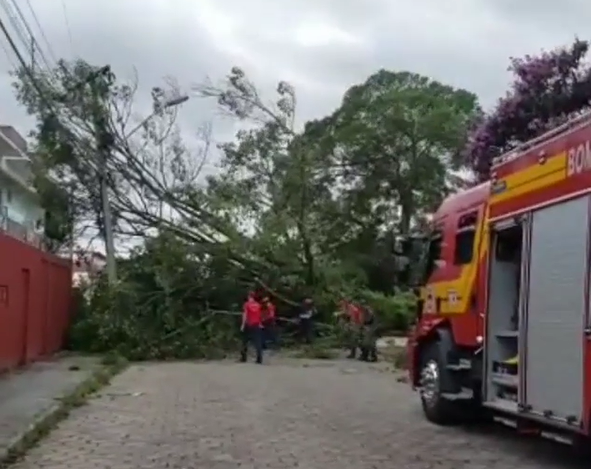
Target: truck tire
436, 407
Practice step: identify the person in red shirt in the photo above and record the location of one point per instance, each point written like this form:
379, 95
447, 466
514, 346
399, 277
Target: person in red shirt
252, 328
355, 314
269, 324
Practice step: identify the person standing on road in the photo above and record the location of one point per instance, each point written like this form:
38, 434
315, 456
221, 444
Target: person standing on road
252, 328
368, 346
343, 324
269, 324
355, 324
305, 318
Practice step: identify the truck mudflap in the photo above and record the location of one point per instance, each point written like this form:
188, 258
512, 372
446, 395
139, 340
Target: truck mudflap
421, 332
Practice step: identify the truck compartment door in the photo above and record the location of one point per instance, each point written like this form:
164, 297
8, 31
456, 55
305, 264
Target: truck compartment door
555, 313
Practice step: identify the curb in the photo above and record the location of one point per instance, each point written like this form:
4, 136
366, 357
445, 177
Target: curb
47, 420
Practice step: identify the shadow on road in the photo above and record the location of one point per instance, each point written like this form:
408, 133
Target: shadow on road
546, 453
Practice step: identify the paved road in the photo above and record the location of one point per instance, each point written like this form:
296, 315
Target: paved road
280, 415
31, 392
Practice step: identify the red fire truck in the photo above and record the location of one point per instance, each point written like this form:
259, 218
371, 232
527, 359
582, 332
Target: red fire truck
503, 321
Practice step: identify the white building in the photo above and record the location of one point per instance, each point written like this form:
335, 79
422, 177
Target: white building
21, 214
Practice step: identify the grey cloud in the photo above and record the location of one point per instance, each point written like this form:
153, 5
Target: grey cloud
464, 43
567, 17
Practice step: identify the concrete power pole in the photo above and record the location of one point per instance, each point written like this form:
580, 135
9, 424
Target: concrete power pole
107, 217
103, 139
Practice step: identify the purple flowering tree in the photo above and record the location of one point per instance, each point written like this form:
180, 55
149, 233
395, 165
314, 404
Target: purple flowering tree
548, 90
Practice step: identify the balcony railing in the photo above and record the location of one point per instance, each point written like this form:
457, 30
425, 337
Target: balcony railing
19, 231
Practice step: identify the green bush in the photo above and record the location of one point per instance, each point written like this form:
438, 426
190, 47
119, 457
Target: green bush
395, 312
115, 320
161, 306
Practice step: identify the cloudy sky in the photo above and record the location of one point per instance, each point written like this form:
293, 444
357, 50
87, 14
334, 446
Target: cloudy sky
321, 46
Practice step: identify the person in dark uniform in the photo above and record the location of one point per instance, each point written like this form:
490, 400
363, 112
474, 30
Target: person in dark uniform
252, 328
368, 346
305, 318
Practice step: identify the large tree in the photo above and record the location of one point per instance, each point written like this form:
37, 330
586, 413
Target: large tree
393, 148
295, 209
396, 140
273, 186
327, 200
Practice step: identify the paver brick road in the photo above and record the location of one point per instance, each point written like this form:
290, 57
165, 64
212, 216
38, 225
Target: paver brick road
281, 415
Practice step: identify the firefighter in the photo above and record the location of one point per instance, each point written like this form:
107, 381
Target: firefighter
305, 318
354, 314
343, 324
269, 324
368, 340
252, 328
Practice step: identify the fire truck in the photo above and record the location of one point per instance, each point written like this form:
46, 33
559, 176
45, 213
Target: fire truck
503, 326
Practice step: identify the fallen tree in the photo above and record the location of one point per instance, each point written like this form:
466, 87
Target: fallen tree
292, 212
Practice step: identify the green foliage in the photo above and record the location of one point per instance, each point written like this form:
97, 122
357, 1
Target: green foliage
395, 313
159, 309
397, 136
59, 212
293, 213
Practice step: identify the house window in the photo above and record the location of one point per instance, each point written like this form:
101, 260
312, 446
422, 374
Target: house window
465, 237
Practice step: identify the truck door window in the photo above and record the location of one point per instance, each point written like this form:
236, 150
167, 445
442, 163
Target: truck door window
433, 255
465, 236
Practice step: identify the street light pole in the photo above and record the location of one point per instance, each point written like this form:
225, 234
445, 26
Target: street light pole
104, 155
168, 104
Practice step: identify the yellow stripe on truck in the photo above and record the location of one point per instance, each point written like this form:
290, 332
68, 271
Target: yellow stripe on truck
463, 284
532, 178
527, 180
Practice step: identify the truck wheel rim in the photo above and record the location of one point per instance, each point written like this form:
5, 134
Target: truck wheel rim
430, 383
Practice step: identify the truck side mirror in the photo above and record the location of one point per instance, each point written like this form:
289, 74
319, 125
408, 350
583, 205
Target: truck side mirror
402, 246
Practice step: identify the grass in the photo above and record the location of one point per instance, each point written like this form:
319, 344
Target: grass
110, 366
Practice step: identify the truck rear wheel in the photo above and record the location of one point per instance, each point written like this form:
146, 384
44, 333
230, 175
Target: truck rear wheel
436, 407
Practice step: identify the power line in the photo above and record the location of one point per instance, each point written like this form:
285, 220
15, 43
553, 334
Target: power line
8, 56
20, 33
34, 43
47, 104
101, 170
26, 35
68, 28
36, 19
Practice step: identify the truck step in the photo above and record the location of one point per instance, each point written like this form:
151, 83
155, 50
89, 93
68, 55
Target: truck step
506, 380
529, 428
464, 395
503, 405
462, 364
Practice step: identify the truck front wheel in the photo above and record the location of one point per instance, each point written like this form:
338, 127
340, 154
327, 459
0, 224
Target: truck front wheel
436, 407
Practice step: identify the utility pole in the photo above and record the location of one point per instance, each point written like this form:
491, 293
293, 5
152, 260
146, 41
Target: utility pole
104, 154
99, 81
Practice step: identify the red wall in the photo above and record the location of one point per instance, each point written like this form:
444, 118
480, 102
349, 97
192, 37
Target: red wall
35, 295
